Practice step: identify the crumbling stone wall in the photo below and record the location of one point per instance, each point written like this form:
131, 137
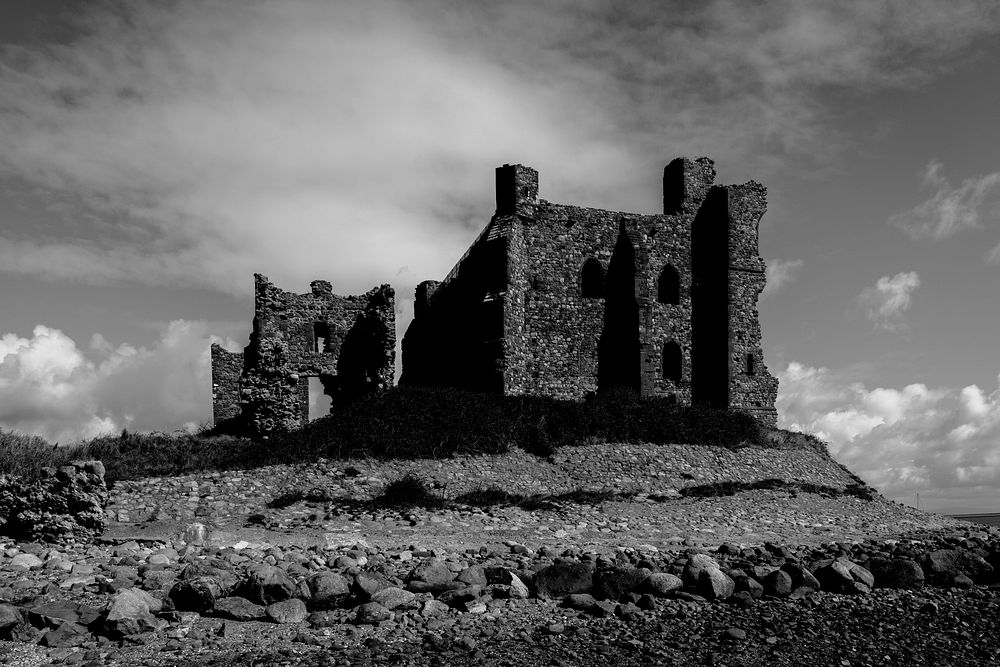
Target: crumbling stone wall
348, 342
562, 300
226, 370
66, 503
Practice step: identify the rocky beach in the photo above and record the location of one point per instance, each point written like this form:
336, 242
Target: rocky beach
303, 576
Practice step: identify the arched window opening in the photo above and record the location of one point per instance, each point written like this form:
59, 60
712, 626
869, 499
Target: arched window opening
669, 287
592, 279
673, 362
321, 337
751, 364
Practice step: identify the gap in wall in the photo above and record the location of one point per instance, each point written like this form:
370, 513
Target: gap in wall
319, 401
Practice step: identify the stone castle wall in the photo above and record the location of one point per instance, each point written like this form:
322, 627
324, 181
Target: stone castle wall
227, 367
674, 312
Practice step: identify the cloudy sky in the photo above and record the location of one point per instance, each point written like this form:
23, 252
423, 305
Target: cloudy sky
153, 155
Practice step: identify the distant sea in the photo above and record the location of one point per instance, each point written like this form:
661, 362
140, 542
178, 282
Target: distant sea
989, 519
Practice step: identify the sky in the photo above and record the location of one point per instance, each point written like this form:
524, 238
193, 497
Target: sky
155, 154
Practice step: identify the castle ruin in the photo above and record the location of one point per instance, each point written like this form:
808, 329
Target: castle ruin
550, 299
563, 301
347, 342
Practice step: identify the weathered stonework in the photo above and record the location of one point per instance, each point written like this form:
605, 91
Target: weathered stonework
348, 342
226, 370
562, 300
66, 503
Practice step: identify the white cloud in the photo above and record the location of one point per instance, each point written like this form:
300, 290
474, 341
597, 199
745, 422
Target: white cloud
939, 442
886, 302
50, 387
197, 141
780, 272
951, 209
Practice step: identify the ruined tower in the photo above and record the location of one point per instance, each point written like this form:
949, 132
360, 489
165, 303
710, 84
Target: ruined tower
348, 343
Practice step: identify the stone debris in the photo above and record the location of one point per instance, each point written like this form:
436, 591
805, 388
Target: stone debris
66, 503
467, 600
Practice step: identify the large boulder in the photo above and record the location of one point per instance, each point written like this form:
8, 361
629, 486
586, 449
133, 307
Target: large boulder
10, 618
430, 575
266, 584
328, 589
132, 612
199, 594
943, 565
26, 562
612, 583
714, 584
563, 578
219, 570
693, 568
473, 575
747, 584
367, 584
844, 576
802, 577
67, 502
777, 583
52, 614
393, 598
66, 636
287, 611
662, 584
372, 613
896, 573
517, 589
238, 609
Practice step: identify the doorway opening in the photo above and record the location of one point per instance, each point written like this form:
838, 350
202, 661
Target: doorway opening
320, 402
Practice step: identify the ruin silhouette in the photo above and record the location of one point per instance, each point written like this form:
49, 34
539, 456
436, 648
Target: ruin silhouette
550, 300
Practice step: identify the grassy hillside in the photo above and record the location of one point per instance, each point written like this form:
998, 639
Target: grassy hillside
412, 423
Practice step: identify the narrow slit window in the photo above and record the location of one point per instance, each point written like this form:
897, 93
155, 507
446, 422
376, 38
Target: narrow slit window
592, 279
673, 362
751, 364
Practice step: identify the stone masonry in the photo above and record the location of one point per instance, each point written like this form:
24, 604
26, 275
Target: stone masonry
563, 301
348, 342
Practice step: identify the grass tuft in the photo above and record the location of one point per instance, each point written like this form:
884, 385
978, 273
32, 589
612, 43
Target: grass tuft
491, 496
730, 488
407, 491
494, 496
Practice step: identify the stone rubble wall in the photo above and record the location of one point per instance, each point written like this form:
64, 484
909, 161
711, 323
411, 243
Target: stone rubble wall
348, 342
653, 469
226, 370
752, 387
66, 503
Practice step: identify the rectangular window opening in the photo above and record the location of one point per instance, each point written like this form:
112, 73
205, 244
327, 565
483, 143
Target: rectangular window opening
321, 334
